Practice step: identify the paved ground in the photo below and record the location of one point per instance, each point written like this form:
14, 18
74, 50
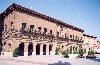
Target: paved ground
48, 60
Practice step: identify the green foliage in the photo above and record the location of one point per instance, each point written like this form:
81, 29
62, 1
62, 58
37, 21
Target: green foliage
70, 51
84, 50
81, 52
57, 51
65, 53
90, 52
16, 51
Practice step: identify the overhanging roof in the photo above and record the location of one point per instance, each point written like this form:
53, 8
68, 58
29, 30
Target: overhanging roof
15, 7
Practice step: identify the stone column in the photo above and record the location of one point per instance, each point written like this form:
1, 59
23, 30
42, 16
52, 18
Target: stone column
34, 49
26, 49
47, 49
41, 49
53, 49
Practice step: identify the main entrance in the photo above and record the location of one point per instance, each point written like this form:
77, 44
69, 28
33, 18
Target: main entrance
38, 49
30, 49
44, 49
21, 49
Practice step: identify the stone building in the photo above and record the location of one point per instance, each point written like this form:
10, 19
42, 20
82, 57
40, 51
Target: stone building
90, 42
97, 46
35, 33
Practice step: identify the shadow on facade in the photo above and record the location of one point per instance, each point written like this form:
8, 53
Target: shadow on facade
38, 49
30, 49
60, 63
44, 49
95, 59
21, 49
1, 30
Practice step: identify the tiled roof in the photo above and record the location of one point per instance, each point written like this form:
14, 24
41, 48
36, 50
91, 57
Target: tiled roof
89, 36
15, 7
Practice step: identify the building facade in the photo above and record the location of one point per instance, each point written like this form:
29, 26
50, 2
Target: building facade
36, 34
97, 46
90, 42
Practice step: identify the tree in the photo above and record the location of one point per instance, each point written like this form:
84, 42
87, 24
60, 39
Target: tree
57, 51
16, 52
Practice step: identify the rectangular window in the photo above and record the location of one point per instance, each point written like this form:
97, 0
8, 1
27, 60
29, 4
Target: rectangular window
70, 36
31, 28
73, 36
39, 28
57, 33
65, 34
81, 38
45, 30
50, 31
23, 26
76, 37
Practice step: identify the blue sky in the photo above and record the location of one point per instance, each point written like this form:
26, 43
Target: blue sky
84, 14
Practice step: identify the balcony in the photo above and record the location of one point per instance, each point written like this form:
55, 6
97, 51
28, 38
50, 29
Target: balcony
71, 40
45, 37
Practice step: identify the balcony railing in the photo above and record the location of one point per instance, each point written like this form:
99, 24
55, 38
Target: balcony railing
44, 36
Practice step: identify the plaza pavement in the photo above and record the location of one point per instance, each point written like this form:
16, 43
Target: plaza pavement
47, 60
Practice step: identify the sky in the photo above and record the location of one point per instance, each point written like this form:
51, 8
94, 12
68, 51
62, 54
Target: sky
84, 14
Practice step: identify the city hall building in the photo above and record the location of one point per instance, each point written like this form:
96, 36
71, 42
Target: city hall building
36, 34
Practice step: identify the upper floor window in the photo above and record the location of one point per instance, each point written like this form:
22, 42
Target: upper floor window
76, 37
65, 34
57, 33
4, 43
31, 28
23, 26
50, 31
81, 38
39, 28
45, 30
11, 23
73, 36
70, 36
5, 26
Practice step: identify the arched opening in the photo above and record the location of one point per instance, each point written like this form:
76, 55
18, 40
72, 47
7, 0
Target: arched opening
30, 49
50, 49
21, 49
38, 49
44, 49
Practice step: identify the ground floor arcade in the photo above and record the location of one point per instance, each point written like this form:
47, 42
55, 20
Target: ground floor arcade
35, 47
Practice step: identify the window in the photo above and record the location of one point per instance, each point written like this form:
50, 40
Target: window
76, 48
4, 43
5, 26
23, 26
9, 44
81, 38
76, 37
45, 30
50, 31
31, 28
39, 28
65, 34
57, 33
70, 36
73, 36
11, 23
